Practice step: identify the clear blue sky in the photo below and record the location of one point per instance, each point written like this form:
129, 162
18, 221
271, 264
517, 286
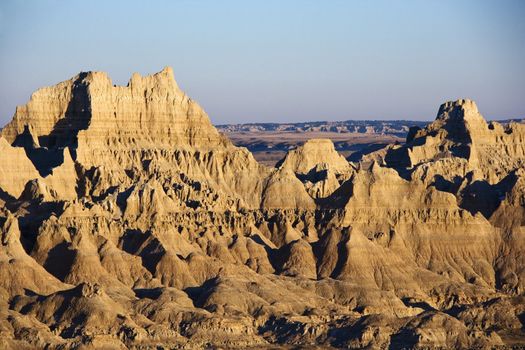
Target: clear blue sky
255, 61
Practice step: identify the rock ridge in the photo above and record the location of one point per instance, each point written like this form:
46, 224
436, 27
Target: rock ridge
128, 221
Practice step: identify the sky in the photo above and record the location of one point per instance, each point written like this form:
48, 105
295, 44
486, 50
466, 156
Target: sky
278, 61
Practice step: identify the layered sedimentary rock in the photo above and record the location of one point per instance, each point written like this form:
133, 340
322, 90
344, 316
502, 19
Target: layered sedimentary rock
460, 131
319, 166
127, 220
16, 169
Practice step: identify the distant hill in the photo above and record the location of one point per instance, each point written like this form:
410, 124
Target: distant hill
398, 128
269, 142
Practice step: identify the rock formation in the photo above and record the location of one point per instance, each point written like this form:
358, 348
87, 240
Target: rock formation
319, 166
128, 221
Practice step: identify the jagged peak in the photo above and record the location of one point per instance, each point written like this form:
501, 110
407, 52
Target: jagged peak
167, 70
90, 100
465, 104
82, 78
459, 121
164, 77
457, 127
460, 110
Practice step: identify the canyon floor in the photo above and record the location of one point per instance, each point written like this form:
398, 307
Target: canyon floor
127, 220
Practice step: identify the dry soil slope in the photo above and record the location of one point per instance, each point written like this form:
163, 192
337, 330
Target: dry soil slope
134, 223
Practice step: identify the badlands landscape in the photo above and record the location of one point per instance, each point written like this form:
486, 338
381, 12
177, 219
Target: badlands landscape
127, 220
269, 147
269, 142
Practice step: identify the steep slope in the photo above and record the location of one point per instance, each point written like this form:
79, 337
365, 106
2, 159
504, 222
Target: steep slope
460, 131
318, 165
16, 170
127, 220
124, 133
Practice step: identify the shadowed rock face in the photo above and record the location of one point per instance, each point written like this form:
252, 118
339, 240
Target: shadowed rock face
128, 220
460, 131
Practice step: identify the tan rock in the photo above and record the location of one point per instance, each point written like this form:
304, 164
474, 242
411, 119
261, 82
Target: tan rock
128, 221
315, 152
15, 169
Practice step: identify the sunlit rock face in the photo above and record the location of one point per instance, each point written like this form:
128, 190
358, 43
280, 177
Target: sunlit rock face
128, 220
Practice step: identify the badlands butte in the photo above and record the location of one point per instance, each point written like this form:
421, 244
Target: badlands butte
128, 221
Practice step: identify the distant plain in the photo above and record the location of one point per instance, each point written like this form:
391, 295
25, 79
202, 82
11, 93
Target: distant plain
268, 147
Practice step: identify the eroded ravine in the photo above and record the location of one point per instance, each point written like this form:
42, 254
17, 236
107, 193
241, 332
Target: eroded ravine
128, 220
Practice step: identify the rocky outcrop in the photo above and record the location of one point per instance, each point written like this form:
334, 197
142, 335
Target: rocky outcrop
123, 132
318, 165
460, 131
314, 152
16, 169
128, 221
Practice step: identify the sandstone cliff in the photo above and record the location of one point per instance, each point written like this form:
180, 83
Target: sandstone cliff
127, 220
